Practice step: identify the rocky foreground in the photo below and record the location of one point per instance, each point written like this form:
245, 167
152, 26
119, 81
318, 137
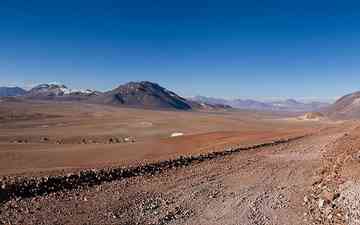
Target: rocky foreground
305, 180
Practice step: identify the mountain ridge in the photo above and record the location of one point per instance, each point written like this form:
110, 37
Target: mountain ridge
146, 94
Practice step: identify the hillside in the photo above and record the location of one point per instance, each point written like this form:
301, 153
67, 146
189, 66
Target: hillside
346, 107
144, 94
11, 91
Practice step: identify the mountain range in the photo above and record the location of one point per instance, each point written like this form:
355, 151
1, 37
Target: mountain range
150, 95
289, 105
142, 94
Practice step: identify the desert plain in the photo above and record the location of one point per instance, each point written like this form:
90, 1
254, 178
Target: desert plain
270, 168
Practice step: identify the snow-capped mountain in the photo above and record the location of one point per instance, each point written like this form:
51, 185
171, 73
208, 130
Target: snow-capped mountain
86, 92
48, 90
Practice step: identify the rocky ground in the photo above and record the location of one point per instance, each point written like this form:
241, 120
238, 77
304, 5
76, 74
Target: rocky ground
304, 181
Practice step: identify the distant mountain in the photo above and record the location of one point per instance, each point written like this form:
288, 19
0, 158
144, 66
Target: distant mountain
296, 106
215, 107
144, 94
45, 91
209, 100
85, 93
11, 91
290, 105
250, 104
237, 103
346, 107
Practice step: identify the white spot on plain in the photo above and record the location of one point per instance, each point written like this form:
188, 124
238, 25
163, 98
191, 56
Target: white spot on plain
176, 134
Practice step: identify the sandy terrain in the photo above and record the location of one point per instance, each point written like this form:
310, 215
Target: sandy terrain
43, 137
310, 180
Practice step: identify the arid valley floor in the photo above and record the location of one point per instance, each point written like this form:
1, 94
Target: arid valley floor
228, 167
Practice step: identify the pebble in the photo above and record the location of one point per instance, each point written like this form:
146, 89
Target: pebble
328, 196
306, 199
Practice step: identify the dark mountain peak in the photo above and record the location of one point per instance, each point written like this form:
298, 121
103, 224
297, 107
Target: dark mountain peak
145, 94
146, 83
140, 86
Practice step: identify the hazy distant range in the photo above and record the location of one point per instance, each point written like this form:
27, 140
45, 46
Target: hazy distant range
290, 105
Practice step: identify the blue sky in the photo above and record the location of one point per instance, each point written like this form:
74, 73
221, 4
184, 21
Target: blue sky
252, 49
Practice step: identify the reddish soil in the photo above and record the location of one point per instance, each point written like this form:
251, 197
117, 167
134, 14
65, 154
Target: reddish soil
263, 186
67, 136
312, 180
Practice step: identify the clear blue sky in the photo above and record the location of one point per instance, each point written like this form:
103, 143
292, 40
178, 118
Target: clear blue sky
216, 48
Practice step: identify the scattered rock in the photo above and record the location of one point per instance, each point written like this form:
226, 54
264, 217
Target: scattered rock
327, 196
151, 205
44, 139
306, 199
356, 156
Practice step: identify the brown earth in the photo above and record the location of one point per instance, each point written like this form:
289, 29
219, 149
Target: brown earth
42, 136
311, 180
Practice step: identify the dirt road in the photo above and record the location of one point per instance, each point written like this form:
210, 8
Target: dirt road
268, 185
